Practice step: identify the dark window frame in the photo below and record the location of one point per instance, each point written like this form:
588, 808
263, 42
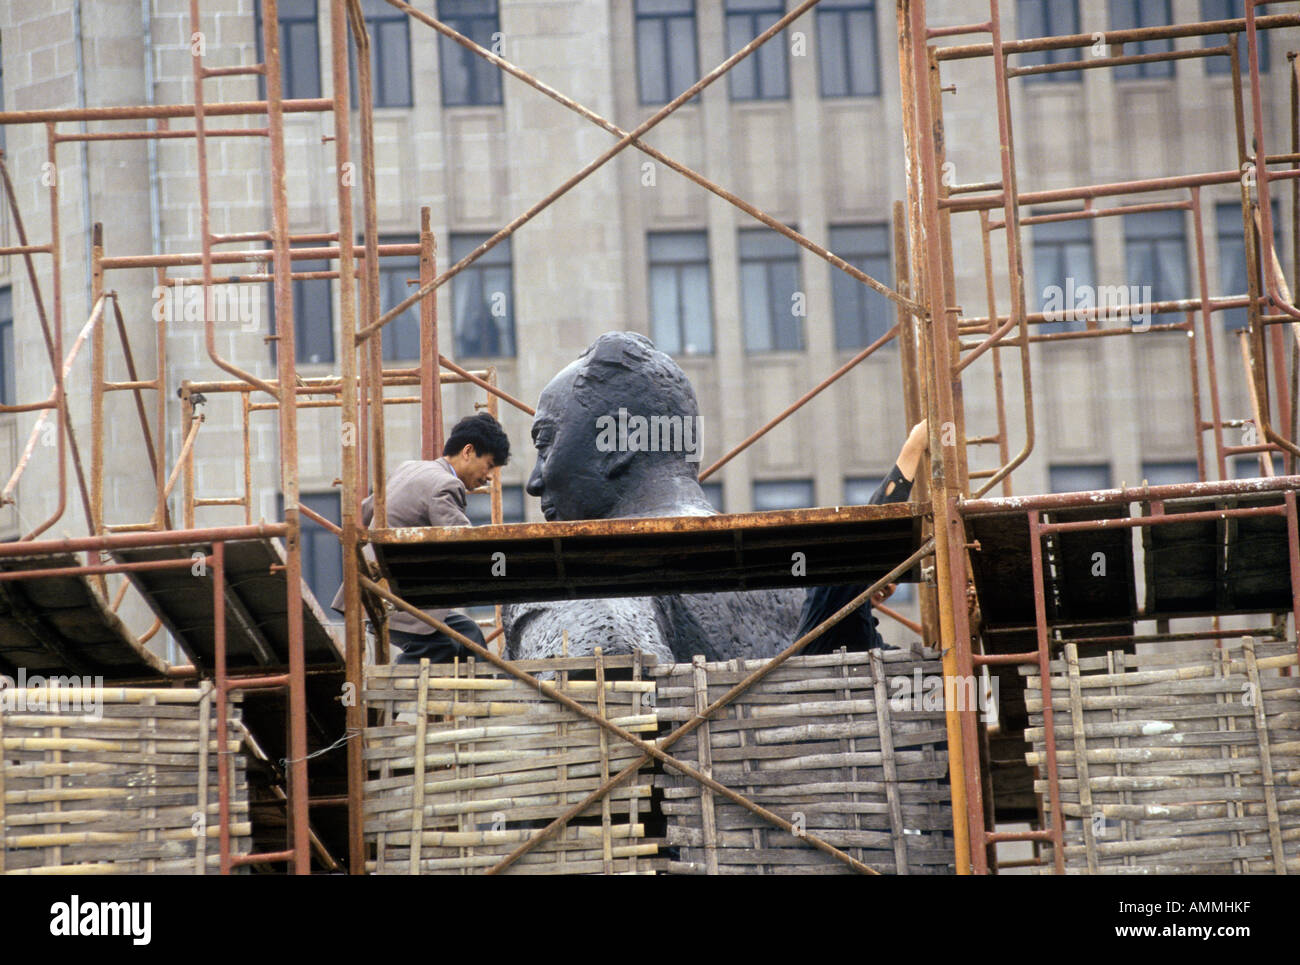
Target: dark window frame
483, 87
378, 16
499, 257
288, 23
1050, 13
866, 299
678, 266
302, 287
755, 19
8, 359
677, 77
1231, 10
1059, 247
839, 13
1144, 14
759, 484
774, 308
1161, 288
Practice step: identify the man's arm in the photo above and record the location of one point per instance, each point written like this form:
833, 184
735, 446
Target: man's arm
897, 486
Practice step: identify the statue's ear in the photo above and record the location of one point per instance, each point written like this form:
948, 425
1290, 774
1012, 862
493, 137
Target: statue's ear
618, 462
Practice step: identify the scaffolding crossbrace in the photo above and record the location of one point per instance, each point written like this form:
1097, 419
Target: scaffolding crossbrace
938, 343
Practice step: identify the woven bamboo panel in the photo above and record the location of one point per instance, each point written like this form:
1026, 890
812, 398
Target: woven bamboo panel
133, 792
820, 742
500, 761
1174, 763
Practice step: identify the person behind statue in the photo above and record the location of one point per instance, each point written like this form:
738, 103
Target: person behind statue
584, 471
858, 630
434, 493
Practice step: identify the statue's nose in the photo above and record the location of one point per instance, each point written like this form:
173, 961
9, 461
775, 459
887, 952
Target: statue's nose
534, 487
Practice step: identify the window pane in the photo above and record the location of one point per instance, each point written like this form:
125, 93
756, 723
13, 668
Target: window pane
784, 282
754, 304
788, 494
858, 490
393, 53
713, 493
697, 314
402, 335
466, 78
743, 77
682, 68
322, 557
664, 323
300, 46
1169, 473
861, 314
1044, 18
1073, 479
833, 56
479, 506
651, 61
482, 299
1232, 10
8, 369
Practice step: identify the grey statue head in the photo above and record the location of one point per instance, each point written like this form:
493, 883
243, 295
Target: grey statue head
617, 434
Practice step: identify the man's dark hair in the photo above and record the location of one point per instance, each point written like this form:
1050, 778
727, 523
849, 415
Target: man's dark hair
482, 432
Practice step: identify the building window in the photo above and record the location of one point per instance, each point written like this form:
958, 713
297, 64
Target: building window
1078, 479
299, 49
1170, 473
848, 49
1130, 14
1232, 258
8, 370
468, 79
665, 49
1049, 18
1063, 272
402, 334
1248, 467
713, 493
862, 314
763, 75
479, 506
482, 300
313, 315
1155, 250
769, 283
1232, 10
390, 55
322, 556
786, 494
681, 314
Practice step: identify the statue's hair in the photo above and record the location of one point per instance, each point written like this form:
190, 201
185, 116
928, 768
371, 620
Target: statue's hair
657, 384
649, 383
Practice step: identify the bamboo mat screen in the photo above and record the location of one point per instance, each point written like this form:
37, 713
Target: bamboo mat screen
132, 792
500, 761
1174, 763
835, 744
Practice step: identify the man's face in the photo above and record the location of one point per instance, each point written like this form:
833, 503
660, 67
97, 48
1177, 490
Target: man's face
477, 468
569, 476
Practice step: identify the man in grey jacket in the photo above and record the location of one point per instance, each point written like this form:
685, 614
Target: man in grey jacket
434, 493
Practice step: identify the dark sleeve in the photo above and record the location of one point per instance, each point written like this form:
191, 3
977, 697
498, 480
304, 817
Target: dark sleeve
902, 489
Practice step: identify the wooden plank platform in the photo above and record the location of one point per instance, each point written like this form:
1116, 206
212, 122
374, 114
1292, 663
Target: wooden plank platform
257, 625
60, 625
1174, 763
523, 562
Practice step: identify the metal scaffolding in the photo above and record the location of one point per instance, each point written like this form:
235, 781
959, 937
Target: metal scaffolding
953, 512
